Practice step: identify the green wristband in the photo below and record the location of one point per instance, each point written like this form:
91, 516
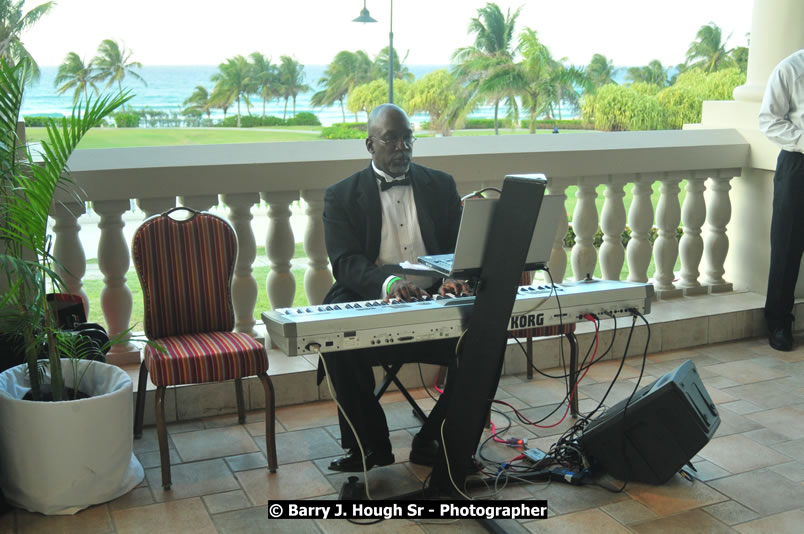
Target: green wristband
390, 283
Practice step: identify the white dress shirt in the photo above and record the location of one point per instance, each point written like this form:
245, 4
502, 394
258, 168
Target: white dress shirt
781, 117
401, 237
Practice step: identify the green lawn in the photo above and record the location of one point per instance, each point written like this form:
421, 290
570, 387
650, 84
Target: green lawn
137, 137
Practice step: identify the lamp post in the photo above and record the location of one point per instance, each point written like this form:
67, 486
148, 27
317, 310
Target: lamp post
365, 17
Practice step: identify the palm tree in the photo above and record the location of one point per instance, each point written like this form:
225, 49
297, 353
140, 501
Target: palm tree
600, 71
74, 74
380, 68
486, 65
265, 78
221, 98
536, 88
12, 24
200, 101
346, 71
291, 82
708, 51
234, 81
654, 73
113, 64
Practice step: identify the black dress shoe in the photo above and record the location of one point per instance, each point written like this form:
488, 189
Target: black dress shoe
781, 339
423, 451
353, 462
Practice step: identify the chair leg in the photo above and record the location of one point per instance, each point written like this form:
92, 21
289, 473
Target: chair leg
161, 432
573, 372
139, 410
241, 405
270, 421
529, 355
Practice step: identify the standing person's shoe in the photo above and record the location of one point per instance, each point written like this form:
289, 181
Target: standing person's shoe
781, 338
423, 451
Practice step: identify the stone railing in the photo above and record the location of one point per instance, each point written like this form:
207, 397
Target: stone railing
239, 176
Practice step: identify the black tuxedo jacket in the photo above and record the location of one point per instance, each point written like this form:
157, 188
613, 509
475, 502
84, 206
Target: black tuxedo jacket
353, 221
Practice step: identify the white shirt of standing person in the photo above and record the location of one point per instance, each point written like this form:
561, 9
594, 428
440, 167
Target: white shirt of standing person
401, 237
781, 116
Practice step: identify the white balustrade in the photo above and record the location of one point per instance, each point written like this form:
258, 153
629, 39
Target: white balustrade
155, 206
612, 222
716, 242
279, 247
113, 262
317, 277
72, 261
558, 256
244, 285
584, 224
693, 215
665, 248
640, 220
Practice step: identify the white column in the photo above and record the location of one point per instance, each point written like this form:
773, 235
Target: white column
693, 215
113, 262
612, 222
155, 206
244, 285
584, 224
775, 34
317, 277
716, 242
558, 256
279, 247
665, 249
640, 220
68, 250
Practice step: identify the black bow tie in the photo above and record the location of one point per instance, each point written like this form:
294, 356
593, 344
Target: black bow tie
387, 184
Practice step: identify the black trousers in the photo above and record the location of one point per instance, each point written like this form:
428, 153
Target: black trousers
786, 239
353, 381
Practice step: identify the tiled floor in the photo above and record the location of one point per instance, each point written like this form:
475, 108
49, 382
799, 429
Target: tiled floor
751, 473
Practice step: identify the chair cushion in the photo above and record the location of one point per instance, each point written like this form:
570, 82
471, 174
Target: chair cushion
205, 357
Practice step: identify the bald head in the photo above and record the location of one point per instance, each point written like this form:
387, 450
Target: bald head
389, 139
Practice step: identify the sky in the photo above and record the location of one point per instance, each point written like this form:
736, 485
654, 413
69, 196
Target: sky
207, 32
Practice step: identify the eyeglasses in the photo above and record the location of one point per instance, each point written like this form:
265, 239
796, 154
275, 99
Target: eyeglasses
394, 141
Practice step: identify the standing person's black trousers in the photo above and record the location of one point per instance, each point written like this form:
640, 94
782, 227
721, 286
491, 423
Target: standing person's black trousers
787, 239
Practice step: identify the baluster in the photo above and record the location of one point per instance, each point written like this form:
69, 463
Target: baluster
71, 264
199, 202
584, 223
716, 243
665, 249
612, 222
558, 256
244, 285
279, 247
640, 219
693, 215
113, 262
155, 206
317, 278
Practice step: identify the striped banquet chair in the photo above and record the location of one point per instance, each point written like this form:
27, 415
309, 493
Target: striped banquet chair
185, 268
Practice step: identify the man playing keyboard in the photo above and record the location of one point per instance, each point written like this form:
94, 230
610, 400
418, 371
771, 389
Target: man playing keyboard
392, 211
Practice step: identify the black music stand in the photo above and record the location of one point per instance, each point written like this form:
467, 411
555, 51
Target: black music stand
484, 345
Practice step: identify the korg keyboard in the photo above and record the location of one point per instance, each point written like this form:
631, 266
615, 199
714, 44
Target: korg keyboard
372, 323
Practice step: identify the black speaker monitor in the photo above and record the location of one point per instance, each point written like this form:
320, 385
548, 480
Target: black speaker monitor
663, 426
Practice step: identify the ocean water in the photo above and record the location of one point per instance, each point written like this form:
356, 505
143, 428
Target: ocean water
169, 86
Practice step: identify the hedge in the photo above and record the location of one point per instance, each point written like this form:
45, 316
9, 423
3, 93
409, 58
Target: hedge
126, 119
39, 121
303, 118
548, 124
339, 131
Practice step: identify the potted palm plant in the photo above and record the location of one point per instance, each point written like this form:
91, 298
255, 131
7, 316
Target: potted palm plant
64, 455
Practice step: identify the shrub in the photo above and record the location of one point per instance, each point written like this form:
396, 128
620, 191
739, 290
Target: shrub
547, 124
477, 124
569, 239
127, 119
356, 125
304, 118
340, 131
38, 121
251, 121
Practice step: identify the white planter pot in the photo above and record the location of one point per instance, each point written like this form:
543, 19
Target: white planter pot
61, 457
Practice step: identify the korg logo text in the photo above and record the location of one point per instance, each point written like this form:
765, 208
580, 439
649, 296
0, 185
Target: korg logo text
527, 321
